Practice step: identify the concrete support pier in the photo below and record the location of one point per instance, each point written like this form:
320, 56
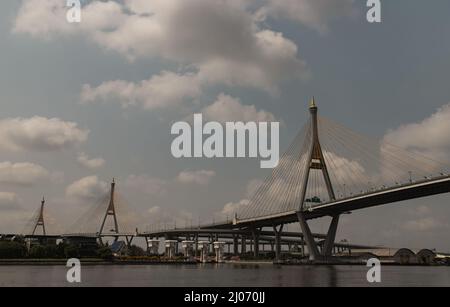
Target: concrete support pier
255, 235
278, 231
171, 246
218, 248
153, 247
243, 245
235, 245
204, 250
188, 248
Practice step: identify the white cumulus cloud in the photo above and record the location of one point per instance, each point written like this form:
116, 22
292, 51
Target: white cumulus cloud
8, 201
424, 224
24, 173
39, 134
84, 160
429, 137
160, 91
230, 209
227, 108
154, 211
87, 189
214, 42
146, 184
202, 177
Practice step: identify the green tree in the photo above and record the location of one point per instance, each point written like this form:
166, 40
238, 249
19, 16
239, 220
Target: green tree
105, 253
12, 250
71, 251
60, 250
136, 251
19, 239
38, 252
44, 251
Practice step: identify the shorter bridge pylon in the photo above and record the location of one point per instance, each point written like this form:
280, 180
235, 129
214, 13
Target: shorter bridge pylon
110, 211
40, 219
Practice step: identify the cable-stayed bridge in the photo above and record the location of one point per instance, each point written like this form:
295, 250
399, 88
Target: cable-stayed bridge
327, 171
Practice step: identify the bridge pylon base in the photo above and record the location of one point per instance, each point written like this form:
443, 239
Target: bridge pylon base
331, 237
314, 254
313, 250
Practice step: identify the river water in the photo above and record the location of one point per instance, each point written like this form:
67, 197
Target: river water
223, 275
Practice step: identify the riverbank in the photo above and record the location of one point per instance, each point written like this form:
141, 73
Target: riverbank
90, 261
119, 262
345, 261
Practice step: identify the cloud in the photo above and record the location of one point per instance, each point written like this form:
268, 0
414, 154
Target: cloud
230, 209
267, 59
47, 18
423, 218
165, 90
429, 137
9, 201
146, 184
39, 134
159, 218
41, 18
424, 224
253, 186
348, 176
227, 108
213, 43
85, 161
87, 189
157, 186
14, 220
423, 210
315, 14
24, 174
154, 210
202, 177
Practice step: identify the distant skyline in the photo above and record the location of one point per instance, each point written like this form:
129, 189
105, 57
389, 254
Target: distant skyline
83, 103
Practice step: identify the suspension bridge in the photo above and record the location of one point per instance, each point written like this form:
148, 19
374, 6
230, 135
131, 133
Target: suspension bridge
327, 171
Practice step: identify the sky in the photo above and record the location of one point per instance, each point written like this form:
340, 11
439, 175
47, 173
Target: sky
82, 103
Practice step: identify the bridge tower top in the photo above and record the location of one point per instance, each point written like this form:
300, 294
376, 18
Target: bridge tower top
313, 109
316, 159
312, 105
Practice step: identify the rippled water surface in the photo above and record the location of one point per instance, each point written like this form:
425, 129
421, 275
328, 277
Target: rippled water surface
245, 275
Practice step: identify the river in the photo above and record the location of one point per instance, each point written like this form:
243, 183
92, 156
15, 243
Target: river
223, 275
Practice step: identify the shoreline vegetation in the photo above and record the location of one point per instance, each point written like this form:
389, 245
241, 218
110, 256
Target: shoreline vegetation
91, 261
22, 252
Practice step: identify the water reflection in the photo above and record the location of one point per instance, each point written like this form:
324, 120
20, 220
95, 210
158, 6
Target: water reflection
220, 275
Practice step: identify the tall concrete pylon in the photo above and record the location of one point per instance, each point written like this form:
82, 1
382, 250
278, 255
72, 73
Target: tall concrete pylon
316, 161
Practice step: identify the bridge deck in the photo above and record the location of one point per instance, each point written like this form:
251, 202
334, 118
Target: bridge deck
411, 191
264, 236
